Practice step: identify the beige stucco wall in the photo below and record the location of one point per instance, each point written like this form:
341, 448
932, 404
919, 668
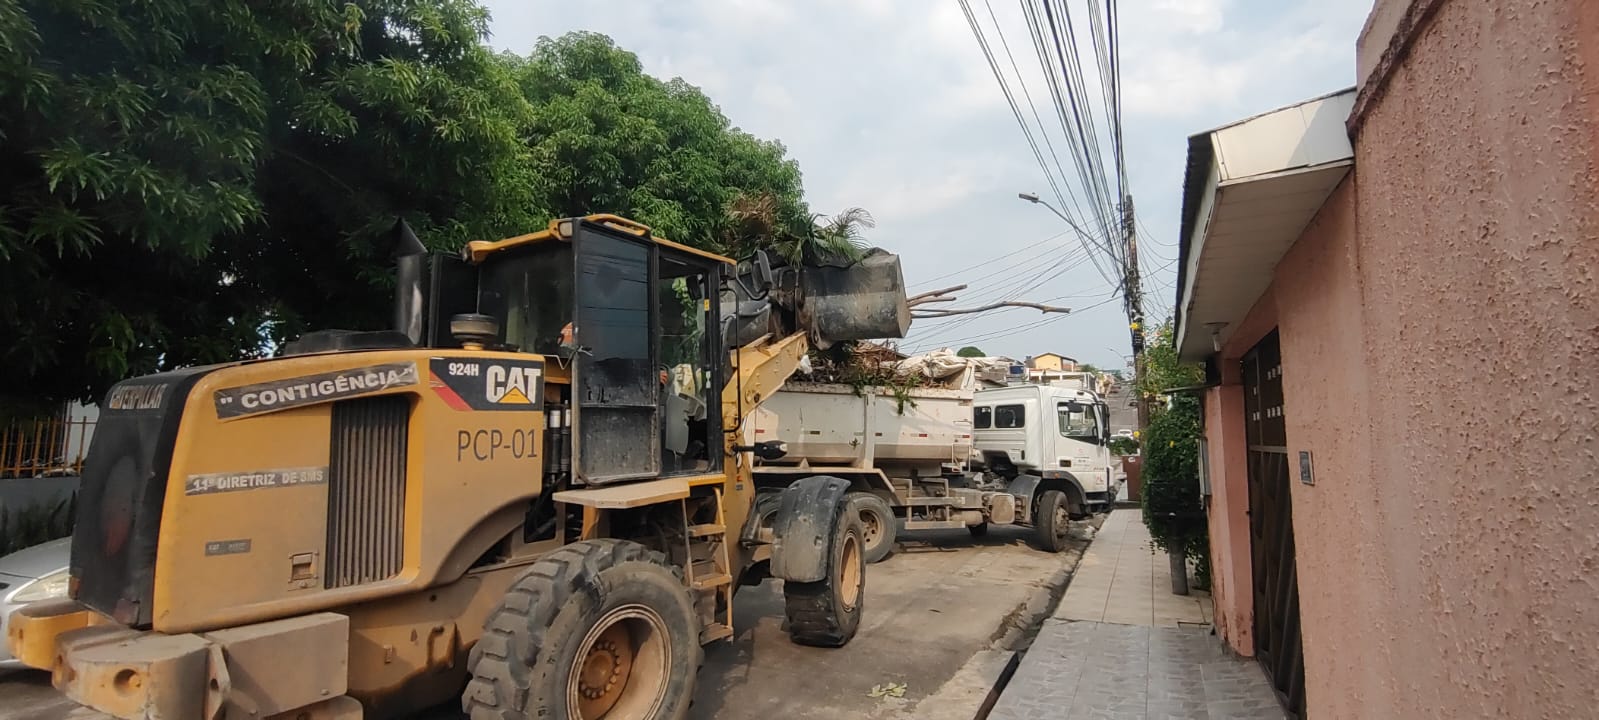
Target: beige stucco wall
1440, 334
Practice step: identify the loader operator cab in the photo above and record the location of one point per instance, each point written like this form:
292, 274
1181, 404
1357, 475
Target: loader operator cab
628, 316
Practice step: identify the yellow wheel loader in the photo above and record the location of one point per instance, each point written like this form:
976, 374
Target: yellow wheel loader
534, 495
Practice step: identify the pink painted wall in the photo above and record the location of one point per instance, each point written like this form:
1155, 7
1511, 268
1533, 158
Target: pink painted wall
1349, 525
1230, 558
1473, 571
1232, 584
1440, 333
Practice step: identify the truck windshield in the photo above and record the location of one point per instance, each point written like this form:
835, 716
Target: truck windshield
529, 290
1078, 421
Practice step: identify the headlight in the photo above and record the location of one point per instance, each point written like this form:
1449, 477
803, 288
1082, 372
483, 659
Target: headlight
50, 586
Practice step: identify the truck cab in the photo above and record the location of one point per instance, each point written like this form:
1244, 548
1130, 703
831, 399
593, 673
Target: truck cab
1056, 433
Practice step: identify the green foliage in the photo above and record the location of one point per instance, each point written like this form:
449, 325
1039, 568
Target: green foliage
1123, 446
865, 370
1088, 368
608, 138
1161, 369
970, 351
36, 524
899, 386
214, 179
1173, 507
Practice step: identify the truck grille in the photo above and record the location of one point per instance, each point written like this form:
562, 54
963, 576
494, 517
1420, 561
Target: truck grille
366, 490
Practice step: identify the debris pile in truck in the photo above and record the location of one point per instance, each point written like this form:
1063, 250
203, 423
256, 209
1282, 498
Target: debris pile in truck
866, 364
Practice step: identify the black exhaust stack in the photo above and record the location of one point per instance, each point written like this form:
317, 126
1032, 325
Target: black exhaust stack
410, 261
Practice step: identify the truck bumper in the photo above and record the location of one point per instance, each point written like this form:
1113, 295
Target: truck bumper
295, 667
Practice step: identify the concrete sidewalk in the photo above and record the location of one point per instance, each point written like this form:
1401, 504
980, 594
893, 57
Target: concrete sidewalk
1120, 645
1121, 581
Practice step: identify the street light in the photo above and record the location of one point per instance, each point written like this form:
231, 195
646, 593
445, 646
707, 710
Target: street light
1086, 238
1034, 199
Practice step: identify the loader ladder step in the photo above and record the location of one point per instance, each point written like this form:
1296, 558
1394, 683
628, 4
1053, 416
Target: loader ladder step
714, 632
707, 582
709, 571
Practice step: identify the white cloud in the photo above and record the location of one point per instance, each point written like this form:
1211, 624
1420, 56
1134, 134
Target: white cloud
889, 105
1196, 17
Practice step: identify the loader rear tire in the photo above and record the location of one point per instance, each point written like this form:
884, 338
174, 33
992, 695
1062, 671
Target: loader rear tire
596, 627
827, 613
878, 525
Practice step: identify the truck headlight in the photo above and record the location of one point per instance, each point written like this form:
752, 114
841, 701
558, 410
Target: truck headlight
48, 587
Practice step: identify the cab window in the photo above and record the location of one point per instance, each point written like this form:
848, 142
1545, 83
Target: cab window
1078, 420
982, 418
1010, 416
687, 366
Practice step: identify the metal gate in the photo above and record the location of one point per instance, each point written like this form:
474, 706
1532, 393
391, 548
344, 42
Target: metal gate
1271, 524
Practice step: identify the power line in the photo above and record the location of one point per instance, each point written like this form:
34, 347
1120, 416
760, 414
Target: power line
982, 42
1025, 248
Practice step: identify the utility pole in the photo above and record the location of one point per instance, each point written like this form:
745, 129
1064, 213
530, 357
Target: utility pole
1134, 301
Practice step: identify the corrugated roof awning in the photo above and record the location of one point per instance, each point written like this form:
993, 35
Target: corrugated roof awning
1250, 190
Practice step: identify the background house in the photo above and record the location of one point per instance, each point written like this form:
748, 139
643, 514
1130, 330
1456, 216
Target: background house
1051, 361
1393, 290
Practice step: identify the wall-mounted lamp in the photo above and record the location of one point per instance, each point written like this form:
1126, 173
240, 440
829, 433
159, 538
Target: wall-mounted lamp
1215, 335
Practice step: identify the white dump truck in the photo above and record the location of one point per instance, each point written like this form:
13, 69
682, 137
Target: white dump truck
908, 455
1055, 436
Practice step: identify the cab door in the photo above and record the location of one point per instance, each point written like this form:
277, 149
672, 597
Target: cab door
616, 424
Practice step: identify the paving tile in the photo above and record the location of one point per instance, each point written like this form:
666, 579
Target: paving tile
1176, 710
1120, 645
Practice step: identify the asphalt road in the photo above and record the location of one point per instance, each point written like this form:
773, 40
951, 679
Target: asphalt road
1121, 416
932, 606
941, 614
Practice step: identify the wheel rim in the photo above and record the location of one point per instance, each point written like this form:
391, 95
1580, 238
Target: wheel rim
622, 667
1062, 518
871, 527
849, 585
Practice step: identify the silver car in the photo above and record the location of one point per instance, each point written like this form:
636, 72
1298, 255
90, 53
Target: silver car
30, 575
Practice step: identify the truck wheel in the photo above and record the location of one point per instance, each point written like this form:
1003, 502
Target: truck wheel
878, 525
597, 628
1052, 521
827, 613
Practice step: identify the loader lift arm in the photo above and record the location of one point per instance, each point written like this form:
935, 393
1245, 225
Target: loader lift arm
759, 369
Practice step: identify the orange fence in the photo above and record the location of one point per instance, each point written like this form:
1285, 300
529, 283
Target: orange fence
44, 447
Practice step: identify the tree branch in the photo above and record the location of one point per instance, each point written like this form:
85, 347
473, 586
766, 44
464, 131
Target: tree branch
993, 306
919, 296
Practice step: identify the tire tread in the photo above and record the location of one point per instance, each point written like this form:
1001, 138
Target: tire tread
503, 659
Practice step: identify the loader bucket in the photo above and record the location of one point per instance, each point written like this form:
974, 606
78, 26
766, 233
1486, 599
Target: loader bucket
833, 300
863, 301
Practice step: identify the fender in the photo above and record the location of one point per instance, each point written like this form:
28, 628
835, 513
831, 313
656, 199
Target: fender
1022, 486
761, 515
807, 515
1026, 488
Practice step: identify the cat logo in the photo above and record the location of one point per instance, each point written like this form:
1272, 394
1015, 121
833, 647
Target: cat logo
510, 385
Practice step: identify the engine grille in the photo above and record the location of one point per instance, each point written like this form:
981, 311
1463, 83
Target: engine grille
366, 490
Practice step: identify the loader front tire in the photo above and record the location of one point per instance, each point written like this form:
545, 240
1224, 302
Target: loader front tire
878, 525
826, 613
596, 628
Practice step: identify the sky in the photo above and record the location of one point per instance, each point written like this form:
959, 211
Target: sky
891, 106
